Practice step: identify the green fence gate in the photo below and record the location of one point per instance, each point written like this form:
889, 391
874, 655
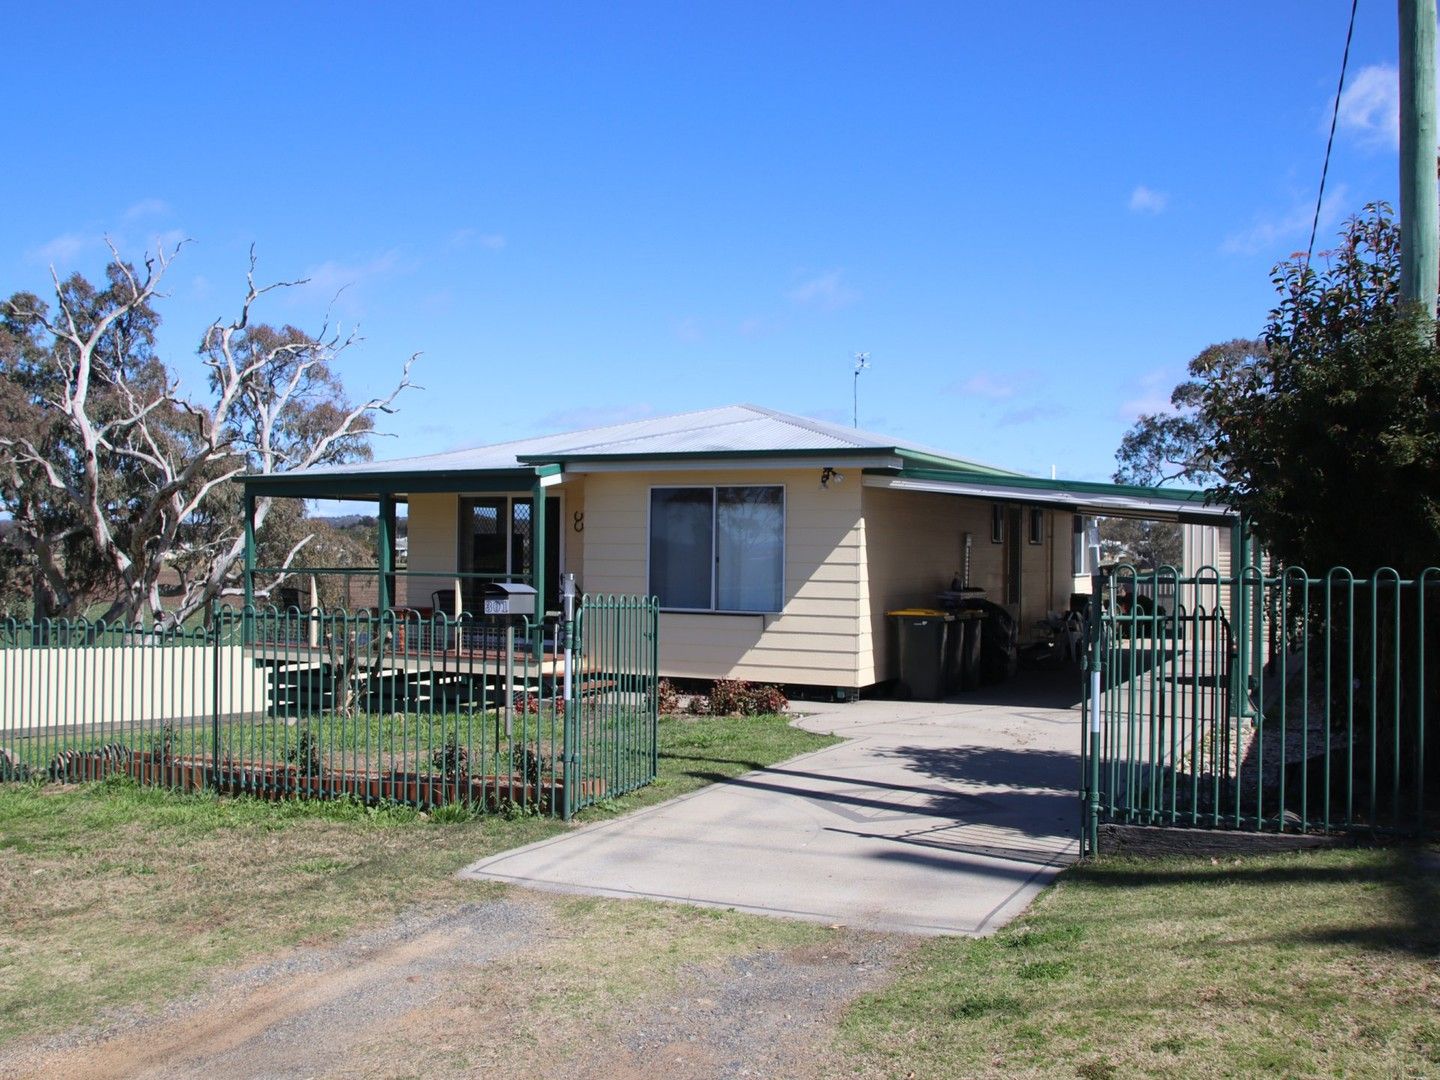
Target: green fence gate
401, 707
1275, 702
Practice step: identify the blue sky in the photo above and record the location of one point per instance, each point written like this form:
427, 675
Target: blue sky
1030, 216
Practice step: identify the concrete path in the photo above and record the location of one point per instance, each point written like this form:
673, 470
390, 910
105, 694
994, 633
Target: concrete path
931, 818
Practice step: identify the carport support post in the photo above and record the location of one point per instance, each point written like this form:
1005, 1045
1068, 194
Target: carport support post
1245, 595
1092, 734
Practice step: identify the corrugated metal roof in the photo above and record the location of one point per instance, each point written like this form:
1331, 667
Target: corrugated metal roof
739, 430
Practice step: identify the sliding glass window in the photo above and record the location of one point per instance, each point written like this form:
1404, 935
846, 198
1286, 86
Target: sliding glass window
718, 549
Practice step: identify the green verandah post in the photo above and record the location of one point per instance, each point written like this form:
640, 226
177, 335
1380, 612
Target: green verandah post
385, 553
249, 567
652, 622
215, 695
537, 561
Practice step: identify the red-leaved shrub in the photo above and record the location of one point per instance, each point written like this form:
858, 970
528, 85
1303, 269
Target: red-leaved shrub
736, 697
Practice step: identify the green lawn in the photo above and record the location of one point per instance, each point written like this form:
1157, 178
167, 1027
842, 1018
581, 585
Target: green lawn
1313, 964
113, 894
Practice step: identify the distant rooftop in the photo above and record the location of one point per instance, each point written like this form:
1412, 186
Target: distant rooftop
728, 431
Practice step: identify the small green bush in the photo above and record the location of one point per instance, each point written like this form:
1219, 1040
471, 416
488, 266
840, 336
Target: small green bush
452, 759
527, 763
11, 767
162, 742
305, 754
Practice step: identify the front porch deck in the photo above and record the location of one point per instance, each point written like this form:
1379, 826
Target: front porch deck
415, 659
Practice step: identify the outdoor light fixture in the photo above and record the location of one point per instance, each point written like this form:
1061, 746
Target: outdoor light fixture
829, 475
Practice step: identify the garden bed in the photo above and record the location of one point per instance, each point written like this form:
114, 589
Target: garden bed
271, 780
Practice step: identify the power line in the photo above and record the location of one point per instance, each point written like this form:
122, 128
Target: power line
1329, 143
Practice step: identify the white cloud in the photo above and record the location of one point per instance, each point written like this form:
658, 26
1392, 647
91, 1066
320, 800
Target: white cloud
464, 238
985, 385
168, 241
992, 386
1146, 200
332, 275
61, 249
1370, 107
1031, 414
338, 284
826, 292
1151, 395
146, 208
1268, 233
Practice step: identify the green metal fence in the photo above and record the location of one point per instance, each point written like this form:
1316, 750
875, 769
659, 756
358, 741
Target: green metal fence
421, 709
612, 718
1266, 702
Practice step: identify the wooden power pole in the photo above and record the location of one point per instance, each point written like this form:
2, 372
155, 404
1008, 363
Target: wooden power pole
1419, 232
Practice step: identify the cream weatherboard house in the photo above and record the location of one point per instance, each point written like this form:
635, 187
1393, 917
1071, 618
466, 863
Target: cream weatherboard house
775, 543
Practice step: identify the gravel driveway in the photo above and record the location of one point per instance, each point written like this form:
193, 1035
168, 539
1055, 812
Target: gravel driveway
459, 992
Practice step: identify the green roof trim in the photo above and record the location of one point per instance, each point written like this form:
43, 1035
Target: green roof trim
393, 482
949, 464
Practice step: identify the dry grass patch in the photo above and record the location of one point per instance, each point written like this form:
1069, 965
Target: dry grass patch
115, 895
1314, 964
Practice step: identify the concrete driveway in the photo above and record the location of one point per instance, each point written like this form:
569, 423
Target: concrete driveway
931, 818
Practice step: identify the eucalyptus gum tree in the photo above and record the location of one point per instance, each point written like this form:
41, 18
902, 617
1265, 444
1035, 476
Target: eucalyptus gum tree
112, 475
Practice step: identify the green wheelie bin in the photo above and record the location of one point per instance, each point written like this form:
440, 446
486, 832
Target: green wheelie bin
922, 646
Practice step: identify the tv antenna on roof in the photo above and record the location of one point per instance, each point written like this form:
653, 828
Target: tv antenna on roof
862, 361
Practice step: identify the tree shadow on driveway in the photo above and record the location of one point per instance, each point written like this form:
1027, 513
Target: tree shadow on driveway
983, 801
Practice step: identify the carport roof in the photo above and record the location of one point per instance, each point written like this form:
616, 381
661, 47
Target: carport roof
1110, 500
